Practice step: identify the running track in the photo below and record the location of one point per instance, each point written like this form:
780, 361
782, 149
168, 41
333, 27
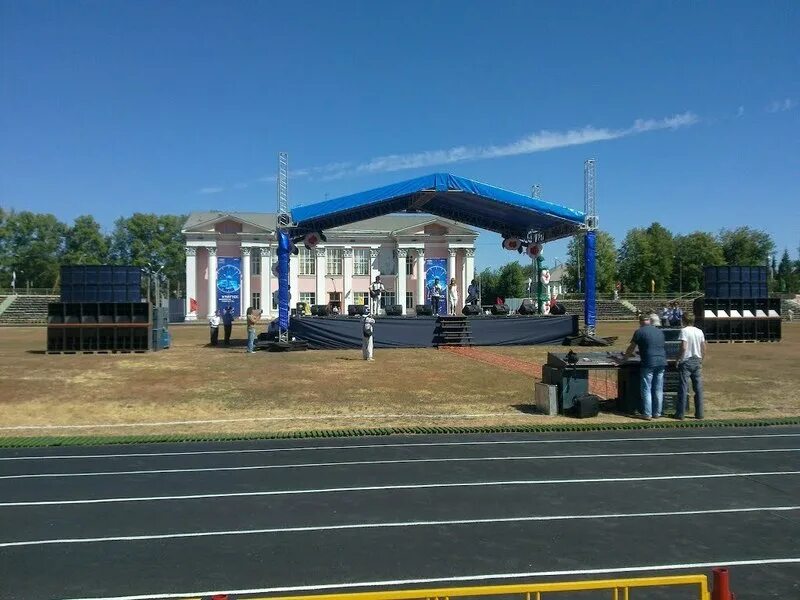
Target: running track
285, 517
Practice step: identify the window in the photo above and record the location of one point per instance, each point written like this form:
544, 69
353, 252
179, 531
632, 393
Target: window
255, 301
334, 261
409, 300
388, 299
308, 261
275, 300
409, 265
255, 263
309, 298
361, 261
335, 299
361, 298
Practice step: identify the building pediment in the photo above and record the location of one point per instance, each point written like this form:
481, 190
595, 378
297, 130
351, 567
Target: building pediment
224, 222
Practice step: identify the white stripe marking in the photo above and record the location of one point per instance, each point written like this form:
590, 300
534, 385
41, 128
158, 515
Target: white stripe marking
460, 578
394, 462
304, 418
406, 445
169, 536
412, 486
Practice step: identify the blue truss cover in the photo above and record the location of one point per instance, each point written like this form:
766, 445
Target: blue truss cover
449, 196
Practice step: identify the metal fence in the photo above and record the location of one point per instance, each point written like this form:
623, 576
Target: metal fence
618, 589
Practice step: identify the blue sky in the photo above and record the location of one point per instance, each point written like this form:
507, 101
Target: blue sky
691, 109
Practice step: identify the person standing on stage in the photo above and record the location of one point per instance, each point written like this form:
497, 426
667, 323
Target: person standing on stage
452, 296
473, 293
690, 366
436, 295
213, 324
653, 354
376, 290
676, 315
227, 323
367, 339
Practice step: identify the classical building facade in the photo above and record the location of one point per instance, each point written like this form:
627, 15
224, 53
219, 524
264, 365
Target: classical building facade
231, 255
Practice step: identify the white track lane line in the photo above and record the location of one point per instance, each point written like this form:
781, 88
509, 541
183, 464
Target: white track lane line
404, 445
396, 462
458, 578
412, 486
403, 524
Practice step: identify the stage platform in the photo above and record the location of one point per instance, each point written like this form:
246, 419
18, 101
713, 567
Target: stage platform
420, 332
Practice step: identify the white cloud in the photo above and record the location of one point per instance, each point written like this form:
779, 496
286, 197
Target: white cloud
536, 142
541, 141
740, 111
781, 105
210, 190
241, 186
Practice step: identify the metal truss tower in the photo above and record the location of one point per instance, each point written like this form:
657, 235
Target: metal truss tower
283, 217
589, 206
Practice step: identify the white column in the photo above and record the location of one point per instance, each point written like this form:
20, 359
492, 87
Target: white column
401, 278
451, 264
420, 299
294, 281
266, 283
347, 279
191, 282
245, 299
320, 271
212, 281
469, 271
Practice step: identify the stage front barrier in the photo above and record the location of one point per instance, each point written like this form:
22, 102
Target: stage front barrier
331, 333
618, 589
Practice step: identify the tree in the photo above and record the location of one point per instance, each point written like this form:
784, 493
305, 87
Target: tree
693, 252
746, 246
646, 255
488, 285
85, 244
512, 281
605, 263
786, 278
32, 245
148, 239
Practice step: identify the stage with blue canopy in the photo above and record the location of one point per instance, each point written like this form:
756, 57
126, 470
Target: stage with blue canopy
511, 214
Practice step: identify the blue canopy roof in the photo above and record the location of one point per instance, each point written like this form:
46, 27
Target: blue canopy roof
449, 196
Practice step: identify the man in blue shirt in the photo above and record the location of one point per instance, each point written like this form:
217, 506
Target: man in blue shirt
653, 354
227, 323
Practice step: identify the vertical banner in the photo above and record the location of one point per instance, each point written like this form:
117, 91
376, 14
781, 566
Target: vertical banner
589, 309
436, 268
229, 284
284, 294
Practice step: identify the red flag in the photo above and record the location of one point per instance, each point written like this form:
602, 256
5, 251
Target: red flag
192, 305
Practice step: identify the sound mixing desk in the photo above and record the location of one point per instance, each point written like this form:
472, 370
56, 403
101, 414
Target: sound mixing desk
569, 371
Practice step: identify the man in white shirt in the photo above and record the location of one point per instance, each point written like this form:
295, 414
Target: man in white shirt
376, 290
690, 366
213, 324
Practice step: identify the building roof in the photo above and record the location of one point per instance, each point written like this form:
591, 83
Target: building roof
386, 224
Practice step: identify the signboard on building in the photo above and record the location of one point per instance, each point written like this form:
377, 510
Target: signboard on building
229, 284
436, 268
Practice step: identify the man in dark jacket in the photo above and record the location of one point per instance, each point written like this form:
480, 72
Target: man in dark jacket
227, 323
653, 354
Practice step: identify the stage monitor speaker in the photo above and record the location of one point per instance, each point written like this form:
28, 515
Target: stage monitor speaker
558, 309
587, 406
471, 310
500, 309
424, 310
314, 310
527, 308
394, 310
322, 310
356, 310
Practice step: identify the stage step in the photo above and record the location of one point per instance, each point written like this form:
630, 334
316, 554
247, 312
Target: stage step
452, 331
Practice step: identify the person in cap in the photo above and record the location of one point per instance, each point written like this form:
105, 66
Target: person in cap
367, 338
653, 354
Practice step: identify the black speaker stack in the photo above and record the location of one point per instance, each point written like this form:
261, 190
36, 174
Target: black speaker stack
471, 310
736, 307
101, 311
394, 310
424, 309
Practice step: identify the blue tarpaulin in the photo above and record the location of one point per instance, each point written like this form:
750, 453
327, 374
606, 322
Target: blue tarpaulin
449, 196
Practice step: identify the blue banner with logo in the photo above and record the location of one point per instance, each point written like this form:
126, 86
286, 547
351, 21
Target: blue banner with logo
436, 269
229, 284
